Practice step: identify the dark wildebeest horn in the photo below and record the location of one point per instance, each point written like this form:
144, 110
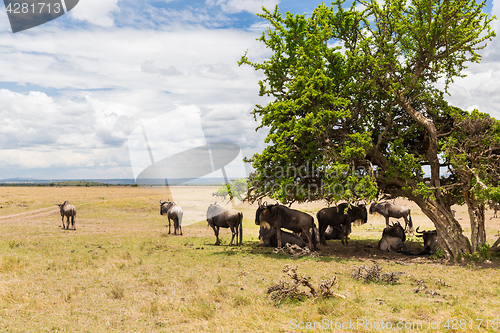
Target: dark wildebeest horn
420, 232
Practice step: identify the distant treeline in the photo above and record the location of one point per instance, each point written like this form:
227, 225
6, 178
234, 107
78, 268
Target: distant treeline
63, 183
111, 182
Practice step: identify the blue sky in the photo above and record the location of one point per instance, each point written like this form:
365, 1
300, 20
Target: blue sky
75, 91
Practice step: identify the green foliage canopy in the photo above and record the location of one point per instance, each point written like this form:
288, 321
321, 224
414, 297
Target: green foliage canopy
356, 106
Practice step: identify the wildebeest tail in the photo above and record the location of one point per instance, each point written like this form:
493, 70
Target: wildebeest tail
240, 217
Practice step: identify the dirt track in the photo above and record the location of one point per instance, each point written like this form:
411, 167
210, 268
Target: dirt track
33, 213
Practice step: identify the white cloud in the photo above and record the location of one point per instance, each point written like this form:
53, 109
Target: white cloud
237, 6
216, 71
100, 84
150, 67
98, 12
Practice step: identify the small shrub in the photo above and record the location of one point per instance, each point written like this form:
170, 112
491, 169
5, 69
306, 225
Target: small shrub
439, 254
483, 254
374, 274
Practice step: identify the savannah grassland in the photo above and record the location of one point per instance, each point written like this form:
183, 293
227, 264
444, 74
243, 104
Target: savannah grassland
120, 271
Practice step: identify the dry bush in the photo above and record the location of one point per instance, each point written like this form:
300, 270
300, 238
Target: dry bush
286, 290
374, 274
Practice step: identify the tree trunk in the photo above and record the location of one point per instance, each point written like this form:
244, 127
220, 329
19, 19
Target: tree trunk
450, 235
478, 232
476, 214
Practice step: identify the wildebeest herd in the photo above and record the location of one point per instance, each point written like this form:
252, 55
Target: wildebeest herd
333, 223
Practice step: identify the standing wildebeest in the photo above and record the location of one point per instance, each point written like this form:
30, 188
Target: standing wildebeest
218, 217
279, 216
393, 238
387, 209
174, 213
67, 210
430, 241
342, 216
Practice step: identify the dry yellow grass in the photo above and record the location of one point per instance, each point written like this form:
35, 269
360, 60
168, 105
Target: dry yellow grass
121, 272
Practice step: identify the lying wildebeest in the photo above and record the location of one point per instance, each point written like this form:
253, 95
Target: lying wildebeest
219, 217
268, 238
331, 232
430, 241
279, 216
387, 209
67, 210
335, 232
340, 216
173, 213
393, 238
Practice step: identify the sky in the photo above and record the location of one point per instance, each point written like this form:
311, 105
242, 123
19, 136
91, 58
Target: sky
91, 94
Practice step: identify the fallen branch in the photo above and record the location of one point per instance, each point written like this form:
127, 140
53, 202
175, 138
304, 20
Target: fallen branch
295, 251
286, 290
374, 274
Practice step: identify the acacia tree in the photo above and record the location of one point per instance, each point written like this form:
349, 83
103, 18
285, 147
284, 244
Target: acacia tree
473, 149
355, 91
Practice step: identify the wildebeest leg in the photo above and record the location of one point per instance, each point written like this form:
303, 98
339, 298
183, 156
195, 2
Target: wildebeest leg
387, 220
168, 225
309, 238
62, 221
216, 230
346, 227
278, 236
176, 225
233, 232
322, 229
407, 223
73, 222
180, 229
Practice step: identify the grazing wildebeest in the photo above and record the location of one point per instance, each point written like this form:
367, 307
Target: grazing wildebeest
430, 241
393, 238
173, 213
268, 238
279, 216
218, 217
387, 209
67, 210
340, 216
